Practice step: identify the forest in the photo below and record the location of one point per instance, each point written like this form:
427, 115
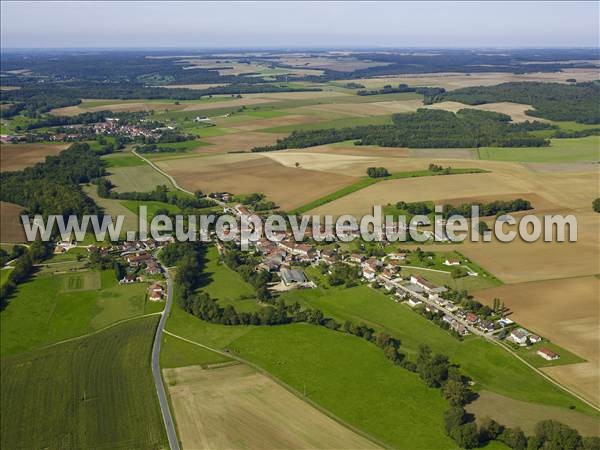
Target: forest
53, 186
578, 102
427, 128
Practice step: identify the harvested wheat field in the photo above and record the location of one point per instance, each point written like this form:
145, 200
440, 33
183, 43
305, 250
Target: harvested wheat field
452, 81
237, 407
225, 103
368, 109
258, 124
300, 95
515, 413
567, 312
11, 228
19, 156
515, 110
237, 142
288, 187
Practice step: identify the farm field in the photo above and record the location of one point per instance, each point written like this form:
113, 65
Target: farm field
93, 392
514, 413
515, 110
114, 208
451, 81
19, 156
259, 412
248, 173
51, 308
288, 353
11, 228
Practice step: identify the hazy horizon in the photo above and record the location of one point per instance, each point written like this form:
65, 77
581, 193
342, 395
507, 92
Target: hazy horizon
298, 25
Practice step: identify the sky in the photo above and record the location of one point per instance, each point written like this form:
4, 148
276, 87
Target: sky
288, 24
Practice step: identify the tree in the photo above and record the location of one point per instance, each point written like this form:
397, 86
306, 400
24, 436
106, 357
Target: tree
456, 392
490, 429
596, 205
454, 417
297, 164
466, 436
555, 435
514, 438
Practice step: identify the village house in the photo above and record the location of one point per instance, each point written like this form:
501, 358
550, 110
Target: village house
459, 328
486, 325
137, 259
519, 336
356, 258
128, 279
368, 273
534, 338
412, 302
155, 292
153, 268
547, 354
471, 318
452, 262
327, 255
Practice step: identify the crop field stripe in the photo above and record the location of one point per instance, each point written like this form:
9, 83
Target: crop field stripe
93, 392
366, 182
285, 386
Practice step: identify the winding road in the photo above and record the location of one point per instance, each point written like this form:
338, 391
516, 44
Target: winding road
156, 373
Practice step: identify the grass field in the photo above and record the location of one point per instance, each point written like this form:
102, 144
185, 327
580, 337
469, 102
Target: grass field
336, 123
175, 352
142, 178
94, 392
259, 413
122, 160
49, 308
225, 285
490, 366
445, 279
560, 150
152, 207
4, 273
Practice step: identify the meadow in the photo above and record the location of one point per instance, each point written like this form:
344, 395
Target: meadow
560, 151
93, 392
51, 308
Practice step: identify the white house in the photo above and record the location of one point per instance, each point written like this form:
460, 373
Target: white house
412, 302
519, 336
452, 262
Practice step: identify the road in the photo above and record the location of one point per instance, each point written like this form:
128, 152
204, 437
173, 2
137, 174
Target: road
156, 373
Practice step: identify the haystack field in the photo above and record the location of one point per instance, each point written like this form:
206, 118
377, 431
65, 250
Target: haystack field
515, 110
515, 413
19, 156
288, 187
567, 312
237, 407
11, 229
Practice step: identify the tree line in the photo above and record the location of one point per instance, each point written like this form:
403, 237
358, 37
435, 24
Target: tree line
401, 88
426, 128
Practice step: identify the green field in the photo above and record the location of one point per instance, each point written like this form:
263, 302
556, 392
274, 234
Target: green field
175, 352
4, 273
141, 178
153, 207
225, 285
95, 392
122, 160
50, 308
488, 365
336, 123
339, 373
560, 150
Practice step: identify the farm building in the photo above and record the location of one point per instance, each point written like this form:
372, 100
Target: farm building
292, 276
548, 355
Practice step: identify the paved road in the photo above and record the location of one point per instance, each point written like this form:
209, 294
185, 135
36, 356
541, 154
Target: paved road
156, 373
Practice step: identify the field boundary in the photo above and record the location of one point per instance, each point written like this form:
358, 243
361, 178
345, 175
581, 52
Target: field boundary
287, 387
